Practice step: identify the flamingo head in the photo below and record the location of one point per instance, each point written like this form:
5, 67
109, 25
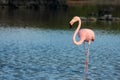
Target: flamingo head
75, 19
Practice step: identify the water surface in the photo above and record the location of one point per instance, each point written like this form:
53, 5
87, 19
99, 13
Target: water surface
45, 54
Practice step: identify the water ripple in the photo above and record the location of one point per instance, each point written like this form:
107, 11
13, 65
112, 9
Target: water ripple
38, 54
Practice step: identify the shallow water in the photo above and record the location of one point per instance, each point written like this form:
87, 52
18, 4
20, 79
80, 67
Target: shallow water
46, 54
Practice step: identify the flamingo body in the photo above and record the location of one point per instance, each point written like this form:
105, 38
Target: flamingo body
86, 35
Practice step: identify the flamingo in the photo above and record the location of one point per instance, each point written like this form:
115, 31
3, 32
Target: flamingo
85, 35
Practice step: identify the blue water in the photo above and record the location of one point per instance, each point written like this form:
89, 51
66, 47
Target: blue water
46, 54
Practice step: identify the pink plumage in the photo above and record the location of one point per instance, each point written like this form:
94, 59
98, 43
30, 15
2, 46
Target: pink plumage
85, 35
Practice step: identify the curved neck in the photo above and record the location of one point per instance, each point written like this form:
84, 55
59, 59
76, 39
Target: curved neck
76, 32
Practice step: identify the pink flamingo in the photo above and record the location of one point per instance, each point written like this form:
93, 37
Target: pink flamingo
86, 35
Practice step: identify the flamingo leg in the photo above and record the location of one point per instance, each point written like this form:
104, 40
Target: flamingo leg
84, 46
87, 60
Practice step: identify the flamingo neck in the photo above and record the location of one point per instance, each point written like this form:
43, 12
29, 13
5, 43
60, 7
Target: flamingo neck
76, 32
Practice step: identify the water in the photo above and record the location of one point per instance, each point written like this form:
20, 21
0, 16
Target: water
38, 46
44, 54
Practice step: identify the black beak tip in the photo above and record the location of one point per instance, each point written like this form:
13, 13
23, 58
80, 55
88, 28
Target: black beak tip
70, 25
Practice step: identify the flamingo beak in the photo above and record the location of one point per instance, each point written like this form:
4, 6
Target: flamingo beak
71, 23
70, 26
